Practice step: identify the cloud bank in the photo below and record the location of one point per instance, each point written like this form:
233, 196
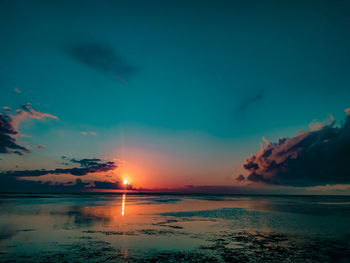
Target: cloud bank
11, 184
316, 157
87, 166
19, 181
9, 128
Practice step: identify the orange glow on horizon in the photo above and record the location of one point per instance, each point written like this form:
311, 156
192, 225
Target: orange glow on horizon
154, 169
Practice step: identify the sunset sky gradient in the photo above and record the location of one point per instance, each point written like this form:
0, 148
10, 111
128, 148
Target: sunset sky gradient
175, 94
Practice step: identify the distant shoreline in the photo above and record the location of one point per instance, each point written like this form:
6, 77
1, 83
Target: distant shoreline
32, 194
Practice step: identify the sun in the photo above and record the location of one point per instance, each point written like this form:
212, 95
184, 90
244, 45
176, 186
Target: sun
125, 181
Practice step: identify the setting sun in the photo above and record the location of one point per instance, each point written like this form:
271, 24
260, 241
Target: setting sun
125, 181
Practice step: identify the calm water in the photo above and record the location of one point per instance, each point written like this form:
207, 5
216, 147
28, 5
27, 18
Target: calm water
164, 228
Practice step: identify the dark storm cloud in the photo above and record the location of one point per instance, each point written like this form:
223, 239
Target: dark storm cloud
250, 100
315, 157
9, 128
87, 166
100, 57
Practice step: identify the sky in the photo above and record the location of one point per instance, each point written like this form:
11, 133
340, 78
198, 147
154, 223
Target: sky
175, 95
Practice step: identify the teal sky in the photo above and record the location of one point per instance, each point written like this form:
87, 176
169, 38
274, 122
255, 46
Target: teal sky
191, 87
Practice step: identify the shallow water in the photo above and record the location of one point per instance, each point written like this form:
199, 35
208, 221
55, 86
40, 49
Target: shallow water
165, 228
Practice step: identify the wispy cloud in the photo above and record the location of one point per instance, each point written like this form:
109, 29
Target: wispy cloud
91, 133
101, 57
17, 90
27, 112
250, 101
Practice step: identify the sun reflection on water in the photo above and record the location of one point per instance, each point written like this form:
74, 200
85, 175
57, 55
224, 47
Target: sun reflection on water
123, 204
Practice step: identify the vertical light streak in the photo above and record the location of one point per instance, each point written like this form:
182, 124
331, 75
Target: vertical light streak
123, 204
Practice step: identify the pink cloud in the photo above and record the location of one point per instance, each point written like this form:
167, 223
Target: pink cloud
316, 126
27, 112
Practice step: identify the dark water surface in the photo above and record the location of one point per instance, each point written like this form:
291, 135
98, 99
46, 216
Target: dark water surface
174, 228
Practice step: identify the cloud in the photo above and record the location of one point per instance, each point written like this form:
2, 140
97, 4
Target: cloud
316, 157
250, 100
240, 178
316, 126
92, 133
9, 128
86, 162
106, 185
11, 184
17, 90
121, 79
8, 142
87, 166
100, 57
21, 181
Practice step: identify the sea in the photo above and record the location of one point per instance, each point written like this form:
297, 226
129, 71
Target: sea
133, 227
